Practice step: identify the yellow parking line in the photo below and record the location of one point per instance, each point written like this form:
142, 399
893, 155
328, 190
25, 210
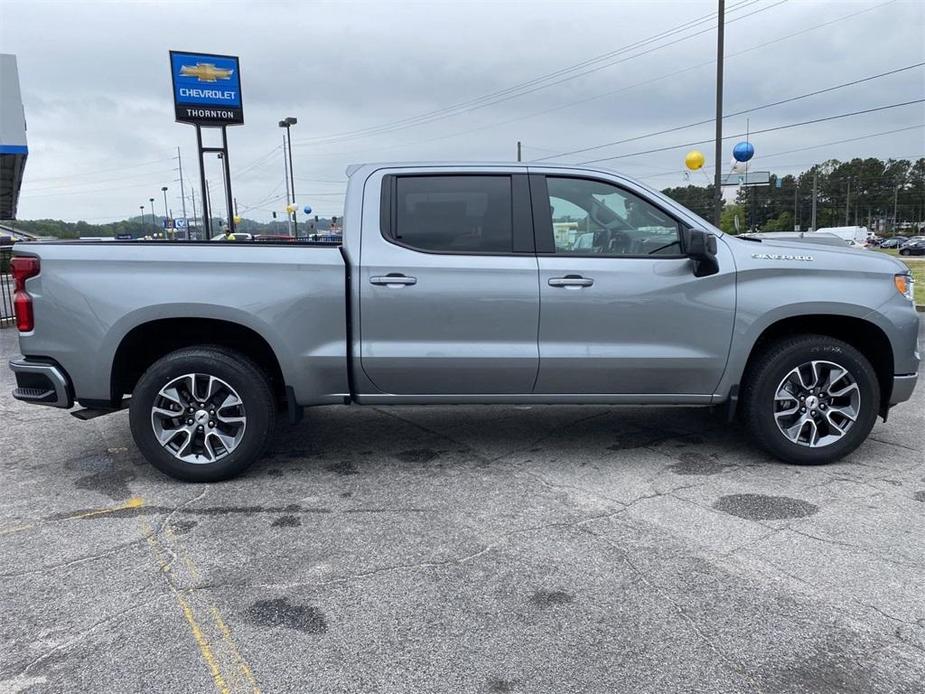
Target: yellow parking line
202, 643
134, 502
212, 659
229, 641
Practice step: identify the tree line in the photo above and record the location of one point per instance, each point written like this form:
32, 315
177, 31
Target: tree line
861, 192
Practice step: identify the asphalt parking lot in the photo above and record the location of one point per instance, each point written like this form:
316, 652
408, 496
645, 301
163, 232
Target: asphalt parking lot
462, 549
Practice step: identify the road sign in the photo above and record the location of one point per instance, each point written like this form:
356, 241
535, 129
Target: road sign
206, 88
168, 223
752, 178
180, 222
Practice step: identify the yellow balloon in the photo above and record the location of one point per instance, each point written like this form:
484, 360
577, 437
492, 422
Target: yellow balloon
237, 219
694, 160
291, 208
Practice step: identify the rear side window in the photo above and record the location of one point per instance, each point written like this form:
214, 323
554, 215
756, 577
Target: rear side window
453, 214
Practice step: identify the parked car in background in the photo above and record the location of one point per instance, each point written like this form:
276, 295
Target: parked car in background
913, 248
818, 237
855, 233
468, 283
894, 242
913, 239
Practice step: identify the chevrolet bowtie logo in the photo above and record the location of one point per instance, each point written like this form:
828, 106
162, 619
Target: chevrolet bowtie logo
205, 72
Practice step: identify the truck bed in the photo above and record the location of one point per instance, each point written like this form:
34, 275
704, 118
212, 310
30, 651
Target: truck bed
91, 295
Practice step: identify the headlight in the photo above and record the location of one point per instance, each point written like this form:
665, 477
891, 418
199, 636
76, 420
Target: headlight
905, 285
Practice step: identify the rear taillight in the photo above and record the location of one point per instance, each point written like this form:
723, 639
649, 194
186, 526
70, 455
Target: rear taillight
22, 268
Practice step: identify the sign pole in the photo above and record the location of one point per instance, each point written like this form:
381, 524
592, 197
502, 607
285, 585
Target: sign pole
206, 212
228, 196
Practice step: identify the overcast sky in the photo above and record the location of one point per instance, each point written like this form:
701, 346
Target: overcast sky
359, 77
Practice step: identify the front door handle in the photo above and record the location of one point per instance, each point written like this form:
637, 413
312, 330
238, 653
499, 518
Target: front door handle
394, 279
570, 281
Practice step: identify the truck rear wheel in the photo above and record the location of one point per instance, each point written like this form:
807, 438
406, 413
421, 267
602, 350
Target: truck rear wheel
810, 399
202, 414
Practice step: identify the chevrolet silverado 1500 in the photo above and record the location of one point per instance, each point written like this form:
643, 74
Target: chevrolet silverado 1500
467, 283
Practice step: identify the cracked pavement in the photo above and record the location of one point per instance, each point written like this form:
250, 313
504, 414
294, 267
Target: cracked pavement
463, 549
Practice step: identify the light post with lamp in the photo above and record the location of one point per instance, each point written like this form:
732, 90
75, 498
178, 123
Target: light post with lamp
287, 123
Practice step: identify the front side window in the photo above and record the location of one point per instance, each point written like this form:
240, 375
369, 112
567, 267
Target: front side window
454, 214
596, 218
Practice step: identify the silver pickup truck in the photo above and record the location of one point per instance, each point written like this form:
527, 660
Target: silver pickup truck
467, 283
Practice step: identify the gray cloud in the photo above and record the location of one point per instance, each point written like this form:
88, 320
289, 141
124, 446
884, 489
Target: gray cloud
96, 88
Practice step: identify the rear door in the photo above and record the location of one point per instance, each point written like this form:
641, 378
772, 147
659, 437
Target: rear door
449, 298
621, 311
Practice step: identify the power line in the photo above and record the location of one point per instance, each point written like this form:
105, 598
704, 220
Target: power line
758, 132
579, 102
731, 115
522, 90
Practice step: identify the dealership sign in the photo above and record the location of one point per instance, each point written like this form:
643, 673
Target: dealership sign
206, 88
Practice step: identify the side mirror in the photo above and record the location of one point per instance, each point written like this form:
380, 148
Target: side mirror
700, 246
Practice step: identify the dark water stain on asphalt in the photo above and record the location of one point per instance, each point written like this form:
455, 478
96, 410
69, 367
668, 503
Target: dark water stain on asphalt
181, 527
693, 463
286, 522
104, 476
545, 598
919, 496
274, 472
830, 667
761, 507
421, 455
500, 686
280, 613
344, 467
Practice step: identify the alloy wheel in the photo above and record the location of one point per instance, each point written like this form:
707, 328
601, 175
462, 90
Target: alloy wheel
198, 418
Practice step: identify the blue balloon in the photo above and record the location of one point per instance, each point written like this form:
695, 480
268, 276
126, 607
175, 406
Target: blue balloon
307, 209
743, 151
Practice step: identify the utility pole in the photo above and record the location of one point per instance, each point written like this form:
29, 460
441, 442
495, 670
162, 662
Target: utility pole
813, 223
796, 202
518, 150
718, 152
847, 200
895, 206
182, 192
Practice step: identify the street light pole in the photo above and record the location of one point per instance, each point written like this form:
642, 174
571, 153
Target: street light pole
718, 151
142, 208
287, 123
153, 218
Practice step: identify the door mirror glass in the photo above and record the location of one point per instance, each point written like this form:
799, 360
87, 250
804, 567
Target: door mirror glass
700, 246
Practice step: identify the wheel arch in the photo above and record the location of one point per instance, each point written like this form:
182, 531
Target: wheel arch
867, 337
147, 342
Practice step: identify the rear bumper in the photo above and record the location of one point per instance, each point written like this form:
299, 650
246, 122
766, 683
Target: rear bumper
41, 382
902, 388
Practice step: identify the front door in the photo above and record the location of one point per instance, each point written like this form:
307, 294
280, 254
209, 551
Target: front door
621, 311
449, 299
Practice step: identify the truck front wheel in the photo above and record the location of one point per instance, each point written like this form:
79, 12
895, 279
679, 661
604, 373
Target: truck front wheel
202, 414
810, 399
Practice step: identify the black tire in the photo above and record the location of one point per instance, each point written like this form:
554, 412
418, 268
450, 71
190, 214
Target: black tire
241, 374
904, 251
768, 370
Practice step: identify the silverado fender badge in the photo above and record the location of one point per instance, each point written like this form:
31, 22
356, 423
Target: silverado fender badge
775, 256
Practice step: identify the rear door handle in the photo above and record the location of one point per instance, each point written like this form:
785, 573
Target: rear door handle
393, 280
570, 281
